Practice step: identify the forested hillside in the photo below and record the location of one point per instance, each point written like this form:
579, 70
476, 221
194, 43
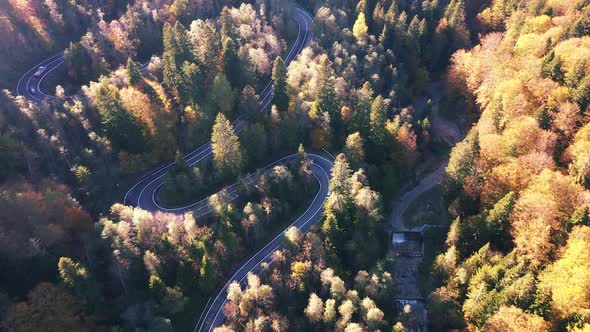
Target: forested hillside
159, 182
32, 30
517, 251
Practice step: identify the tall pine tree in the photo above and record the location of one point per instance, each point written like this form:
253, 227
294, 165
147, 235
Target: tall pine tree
327, 101
133, 72
227, 154
362, 109
232, 65
377, 123
279, 74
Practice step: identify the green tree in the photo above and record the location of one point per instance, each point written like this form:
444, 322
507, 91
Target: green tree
118, 124
173, 301
362, 110
172, 78
552, 67
377, 121
133, 72
248, 104
280, 97
462, 162
227, 154
79, 64
582, 93
192, 79
568, 278
156, 286
326, 102
340, 181
232, 65
498, 220
183, 47
76, 277
227, 24
180, 9
221, 96
207, 274
210, 50
354, 149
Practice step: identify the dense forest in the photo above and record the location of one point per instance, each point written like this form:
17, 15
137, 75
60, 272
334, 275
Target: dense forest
32, 30
493, 93
516, 255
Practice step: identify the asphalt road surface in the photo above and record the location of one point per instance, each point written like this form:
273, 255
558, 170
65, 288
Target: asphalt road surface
29, 86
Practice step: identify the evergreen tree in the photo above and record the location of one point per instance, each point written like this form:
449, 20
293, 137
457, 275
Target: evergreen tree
180, 9
172, 78
582, 93
76, 277
192, 82
221, 95
362, 110
552, 67
331, 230
340, 181
499, 222
301, 155
232, 65
210, 51
168, 41
227, 154
227, 25
326, 102
79, 63
377, 121
280, 97
354, 149
133, 72
366, 8
177, 43
248, 104
183, 47
388, 35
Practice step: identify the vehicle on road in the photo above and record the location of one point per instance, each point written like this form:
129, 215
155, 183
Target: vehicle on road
33, 91
40, 71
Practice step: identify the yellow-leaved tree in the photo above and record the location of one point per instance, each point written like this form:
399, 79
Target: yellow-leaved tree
568, 278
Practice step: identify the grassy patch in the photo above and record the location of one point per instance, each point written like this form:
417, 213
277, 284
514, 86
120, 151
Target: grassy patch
427, 209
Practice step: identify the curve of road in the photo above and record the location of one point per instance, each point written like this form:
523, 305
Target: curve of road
143, 193
402, 204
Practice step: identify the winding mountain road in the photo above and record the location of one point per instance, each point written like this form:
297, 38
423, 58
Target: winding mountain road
143, 193
29, 85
